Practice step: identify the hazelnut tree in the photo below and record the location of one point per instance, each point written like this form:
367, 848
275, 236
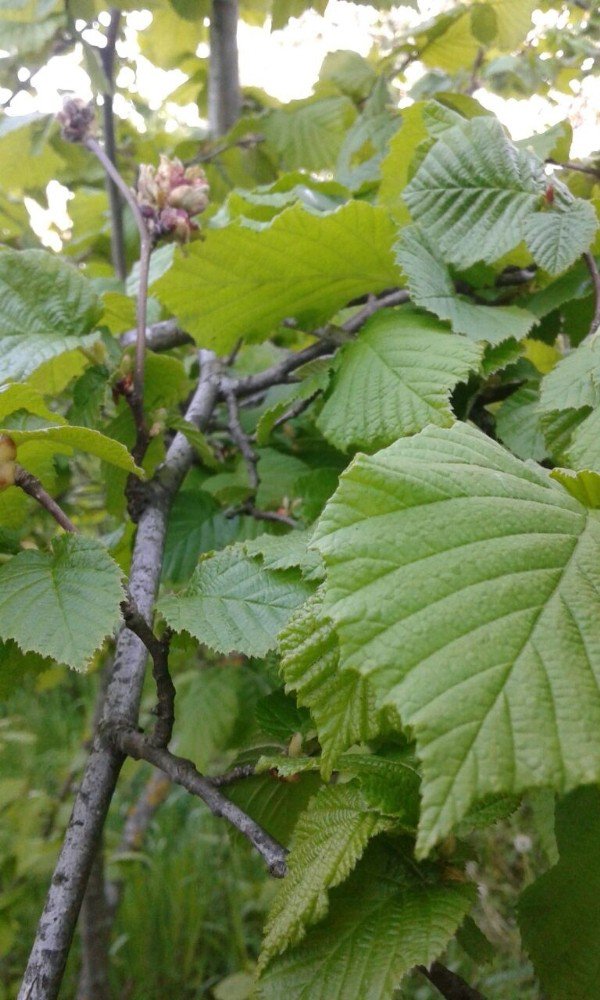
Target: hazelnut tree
331, 369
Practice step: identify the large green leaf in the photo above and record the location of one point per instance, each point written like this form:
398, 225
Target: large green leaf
431, 286
234, 603
465, 584
559, 914
46, 307
242, 282
473, 192
395, 378
308, 134
61, 604
387, 917
341, 702
328, 840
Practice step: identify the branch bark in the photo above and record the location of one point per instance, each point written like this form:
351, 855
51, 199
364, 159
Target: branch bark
183, 772
224, 97
32, 486
48, 956
595, 276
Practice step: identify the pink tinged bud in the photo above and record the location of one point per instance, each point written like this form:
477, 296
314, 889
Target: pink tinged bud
77, 120
178, 223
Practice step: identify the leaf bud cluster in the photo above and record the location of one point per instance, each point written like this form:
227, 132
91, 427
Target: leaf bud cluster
170, 195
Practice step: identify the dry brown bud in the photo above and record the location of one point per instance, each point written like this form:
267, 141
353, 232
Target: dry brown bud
77, 120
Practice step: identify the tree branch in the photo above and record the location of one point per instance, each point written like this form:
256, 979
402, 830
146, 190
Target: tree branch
224, 96
183, 772
595, 276
57, 924
165, 689
241, 439
160, 336
579, 167
33, 487
449, 984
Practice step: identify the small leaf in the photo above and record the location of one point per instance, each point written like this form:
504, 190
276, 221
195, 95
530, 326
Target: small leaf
389, 916
395, 378
557, 238
431, 287
61, 604
233, 604
82, 439
341, 702
46, 308
328, 840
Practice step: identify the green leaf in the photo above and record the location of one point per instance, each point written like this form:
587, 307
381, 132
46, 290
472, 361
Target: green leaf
341, 702
328, 840
575, 381
233, 604
558, 237
461, 582
80, 438
287, 551
583, 452
395, 378
61, 604
241, 282
431, 286
565, 900
197, 525
308, 134
22, 141
16, 396
519, 426
46, 307
387, 917
473, 192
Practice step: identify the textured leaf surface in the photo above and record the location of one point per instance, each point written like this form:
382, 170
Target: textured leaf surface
308, 134
341, 702
466, 585
518, 424
431, 286
286, 551
395, 378
557, 238
234, 603
387, 917
328, 840
61, 604
473, 192
575, 381
242, 282
565, 899
46, 307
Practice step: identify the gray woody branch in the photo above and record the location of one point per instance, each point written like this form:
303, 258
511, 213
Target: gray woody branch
57, 924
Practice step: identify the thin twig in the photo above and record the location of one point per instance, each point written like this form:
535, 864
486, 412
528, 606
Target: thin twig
165, 689
31, 485
260, 515
183, 772
136, 400
281, 372
448, 983
107, 56
297, 409
241, 439
579, 167
160, 336
595, 276
235, 774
